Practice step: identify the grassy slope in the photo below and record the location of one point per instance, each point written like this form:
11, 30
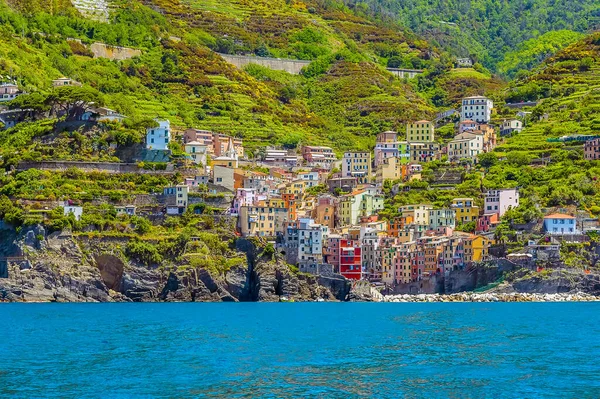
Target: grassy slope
199, 89
572, 109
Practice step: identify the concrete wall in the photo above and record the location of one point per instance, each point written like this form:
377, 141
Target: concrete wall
108, 167
295, 66
290, 66
102, 50
405, 73
93, 9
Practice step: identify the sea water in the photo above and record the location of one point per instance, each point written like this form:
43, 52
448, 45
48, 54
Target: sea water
285, 350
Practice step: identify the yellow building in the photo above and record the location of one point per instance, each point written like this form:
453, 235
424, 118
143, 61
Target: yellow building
266, 219
418, 213
423, 152
357, 164
466, 210
297, 187
420, 132
476, 248
390, 169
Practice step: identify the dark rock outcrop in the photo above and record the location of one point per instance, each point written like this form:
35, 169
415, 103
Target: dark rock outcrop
55, 268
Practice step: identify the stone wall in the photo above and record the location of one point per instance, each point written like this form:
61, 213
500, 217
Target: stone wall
108, 167
102, 50
93, 9
295, 66
290, 66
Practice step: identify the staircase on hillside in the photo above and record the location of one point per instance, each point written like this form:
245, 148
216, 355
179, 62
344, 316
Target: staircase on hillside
93, 9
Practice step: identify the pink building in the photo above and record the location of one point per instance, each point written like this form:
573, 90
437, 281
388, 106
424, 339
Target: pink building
245, 197
591, 150
500, 201
318, 155
332, 252
487, 221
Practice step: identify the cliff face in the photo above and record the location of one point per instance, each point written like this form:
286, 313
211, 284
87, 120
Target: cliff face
57, 269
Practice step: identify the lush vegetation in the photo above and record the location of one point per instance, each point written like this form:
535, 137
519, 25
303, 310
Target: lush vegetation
484, 29
343, 99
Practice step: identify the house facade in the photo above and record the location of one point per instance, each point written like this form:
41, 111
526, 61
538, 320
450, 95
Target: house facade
158, 138
477, 109
591, 150
420, 132
358, 165
559, 223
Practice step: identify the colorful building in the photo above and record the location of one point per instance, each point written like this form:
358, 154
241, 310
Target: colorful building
591, 150
325, 211
359, 203
560, 223
264, 219
420, 132
466, 145
465, 209
439, 218
388, 146
418, 213
500, 201
391, 169
351, 260
318, 155
358, 165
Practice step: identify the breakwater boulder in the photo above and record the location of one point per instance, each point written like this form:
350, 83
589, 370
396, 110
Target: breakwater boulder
494, 297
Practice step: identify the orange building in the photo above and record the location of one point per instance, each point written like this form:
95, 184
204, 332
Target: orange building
290, 203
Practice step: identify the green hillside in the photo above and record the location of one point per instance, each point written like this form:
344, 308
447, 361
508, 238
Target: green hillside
552, 174
485, 29
179, 77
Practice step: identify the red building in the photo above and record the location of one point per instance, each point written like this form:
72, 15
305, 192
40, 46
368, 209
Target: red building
487, 221
350, 260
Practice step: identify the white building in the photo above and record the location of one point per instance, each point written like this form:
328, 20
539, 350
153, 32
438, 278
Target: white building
8, 92
464, 62
65, 82
499, 201
197, 151
76, 211
304, 242
176, 199
277, 157
511, 126
476, 108
465, 146
158, 138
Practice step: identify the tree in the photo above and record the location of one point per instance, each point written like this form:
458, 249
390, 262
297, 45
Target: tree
488, 159
73, 101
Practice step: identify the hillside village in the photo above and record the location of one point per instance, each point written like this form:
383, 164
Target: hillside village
338, 150
324, 214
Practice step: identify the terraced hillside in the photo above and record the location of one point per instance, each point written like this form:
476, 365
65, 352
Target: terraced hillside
567, 87
179, 77
553, 174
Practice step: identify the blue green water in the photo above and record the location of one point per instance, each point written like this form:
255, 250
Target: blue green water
320, 350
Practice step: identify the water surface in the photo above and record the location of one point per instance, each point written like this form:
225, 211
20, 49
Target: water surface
321, 350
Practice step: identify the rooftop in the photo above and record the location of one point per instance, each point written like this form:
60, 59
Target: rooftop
559, 216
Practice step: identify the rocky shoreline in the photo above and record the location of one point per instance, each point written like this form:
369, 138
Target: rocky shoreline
494, 297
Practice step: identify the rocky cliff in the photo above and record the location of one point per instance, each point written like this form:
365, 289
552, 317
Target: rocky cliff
58, 267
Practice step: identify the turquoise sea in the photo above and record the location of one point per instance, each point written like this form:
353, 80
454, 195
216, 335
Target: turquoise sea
303, 350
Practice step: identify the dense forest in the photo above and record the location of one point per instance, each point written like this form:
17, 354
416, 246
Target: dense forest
484, 29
